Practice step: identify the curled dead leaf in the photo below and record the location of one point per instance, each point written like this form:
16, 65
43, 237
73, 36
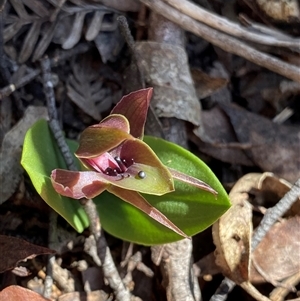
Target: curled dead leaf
232, 236
232, 232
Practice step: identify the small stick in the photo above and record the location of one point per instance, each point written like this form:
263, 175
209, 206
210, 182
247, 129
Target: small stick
273, 214
229, 27
152, 119
225, 42
123, 25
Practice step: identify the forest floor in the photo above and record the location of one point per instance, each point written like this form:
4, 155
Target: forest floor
226, 84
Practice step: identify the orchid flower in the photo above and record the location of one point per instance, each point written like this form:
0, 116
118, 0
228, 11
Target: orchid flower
119, 161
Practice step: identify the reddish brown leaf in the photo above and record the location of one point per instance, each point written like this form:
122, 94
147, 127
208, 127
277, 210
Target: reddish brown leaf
15, 250
18, 293
278, 253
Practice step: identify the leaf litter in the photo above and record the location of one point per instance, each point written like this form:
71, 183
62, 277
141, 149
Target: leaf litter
239, 135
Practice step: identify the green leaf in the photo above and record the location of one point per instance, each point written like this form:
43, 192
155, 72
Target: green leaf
39, 157
189, 208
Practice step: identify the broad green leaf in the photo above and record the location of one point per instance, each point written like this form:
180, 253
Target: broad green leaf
189, 208
40, 156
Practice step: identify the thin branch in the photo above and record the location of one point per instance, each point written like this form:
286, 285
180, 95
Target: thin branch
53, 118
152, 117
273, 214
225, 42
222, 24
223, 290
123, 25
109, 269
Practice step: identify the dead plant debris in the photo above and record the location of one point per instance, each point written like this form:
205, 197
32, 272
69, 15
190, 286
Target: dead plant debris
226, 80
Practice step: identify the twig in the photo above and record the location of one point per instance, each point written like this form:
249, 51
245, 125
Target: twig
223, 290
151, 118
224, 41
6, 91
123, 25
53, 118
262, 29
231, 28
273, 214
108, 266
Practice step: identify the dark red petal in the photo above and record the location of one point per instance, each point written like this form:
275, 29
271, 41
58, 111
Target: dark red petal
76, 184
134, 107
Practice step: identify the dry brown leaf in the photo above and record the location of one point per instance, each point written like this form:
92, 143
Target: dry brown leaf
274, 147
220, 138
10, 168
232, 232
232, 236
18, 293
205, 84
166, 69
14, 250
271, 189
280, 10
278, 254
